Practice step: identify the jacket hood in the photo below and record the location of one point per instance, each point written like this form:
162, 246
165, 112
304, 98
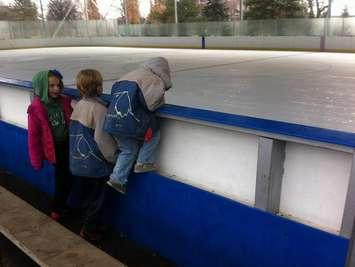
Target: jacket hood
160, 67
40, 85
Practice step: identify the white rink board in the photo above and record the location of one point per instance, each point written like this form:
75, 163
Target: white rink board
13, 105
315, 184
230, 42
214, 159
264, 42
182, 42
211, 158
340, 43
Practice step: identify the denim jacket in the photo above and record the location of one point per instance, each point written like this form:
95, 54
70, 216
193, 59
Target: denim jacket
92, 151
127, 115
136, 96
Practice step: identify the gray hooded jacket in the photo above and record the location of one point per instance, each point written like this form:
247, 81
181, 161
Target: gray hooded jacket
153, 78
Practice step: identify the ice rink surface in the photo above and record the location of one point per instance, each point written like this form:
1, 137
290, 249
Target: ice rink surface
316, 89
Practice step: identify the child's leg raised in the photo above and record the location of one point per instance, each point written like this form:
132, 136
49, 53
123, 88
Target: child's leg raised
146, 155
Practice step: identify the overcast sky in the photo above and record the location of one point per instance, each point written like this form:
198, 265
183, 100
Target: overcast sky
109, 8
338, 6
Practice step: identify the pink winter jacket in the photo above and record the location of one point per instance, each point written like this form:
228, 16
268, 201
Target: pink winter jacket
40, 139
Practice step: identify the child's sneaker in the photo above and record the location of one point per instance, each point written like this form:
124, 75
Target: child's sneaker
55, 216
145, 167
117, 186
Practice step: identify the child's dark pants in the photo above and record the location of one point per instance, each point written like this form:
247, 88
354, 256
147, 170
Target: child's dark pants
63, 178
93, 196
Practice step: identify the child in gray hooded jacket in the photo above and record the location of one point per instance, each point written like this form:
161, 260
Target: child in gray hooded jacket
131, 118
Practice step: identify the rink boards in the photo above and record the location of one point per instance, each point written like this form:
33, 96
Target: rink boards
232, 190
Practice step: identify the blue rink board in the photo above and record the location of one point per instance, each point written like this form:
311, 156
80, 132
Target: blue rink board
189, 226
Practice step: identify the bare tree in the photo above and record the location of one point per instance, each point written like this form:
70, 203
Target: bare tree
129, 10
42, 13
321, 7
132, 11
93, 10
57, 9
24, 10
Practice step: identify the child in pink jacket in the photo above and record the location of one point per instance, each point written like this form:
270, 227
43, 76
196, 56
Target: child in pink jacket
48, 136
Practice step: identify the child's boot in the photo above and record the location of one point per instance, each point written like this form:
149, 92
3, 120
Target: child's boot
117, 186
145, 167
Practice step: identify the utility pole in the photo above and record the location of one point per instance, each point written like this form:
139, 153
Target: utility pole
326, 27
176, 14
86, 11
42, 13
44, 32
329, 8
329, 15
241, 8
125, 11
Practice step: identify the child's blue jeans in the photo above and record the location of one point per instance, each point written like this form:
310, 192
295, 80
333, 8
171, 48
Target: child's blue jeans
131, 152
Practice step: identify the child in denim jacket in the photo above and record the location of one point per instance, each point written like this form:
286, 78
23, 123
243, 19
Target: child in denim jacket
131, 118
92, 151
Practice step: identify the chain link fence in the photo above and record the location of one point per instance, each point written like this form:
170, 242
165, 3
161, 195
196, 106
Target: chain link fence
111, 28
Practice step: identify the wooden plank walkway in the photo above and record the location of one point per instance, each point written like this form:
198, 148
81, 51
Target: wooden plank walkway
45, 241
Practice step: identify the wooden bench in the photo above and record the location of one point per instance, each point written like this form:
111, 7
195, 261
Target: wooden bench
45, 241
